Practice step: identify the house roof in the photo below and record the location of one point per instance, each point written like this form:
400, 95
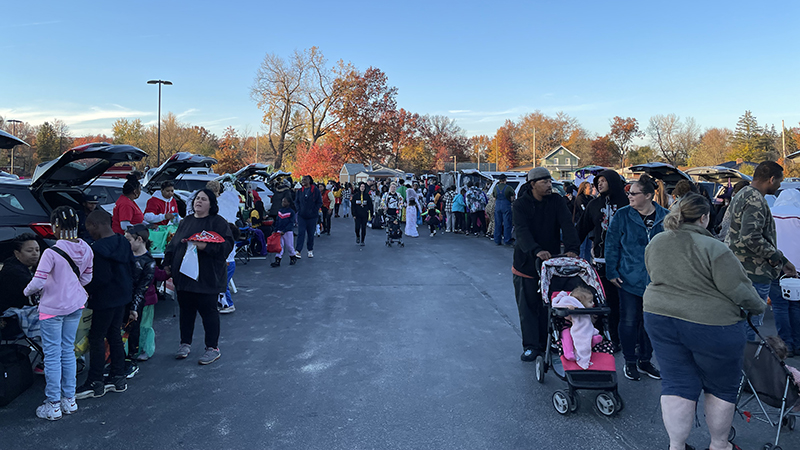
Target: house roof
353, 169
559, 148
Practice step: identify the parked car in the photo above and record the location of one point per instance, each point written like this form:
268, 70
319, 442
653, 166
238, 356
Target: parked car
667, 173
252, 178
25, 205
713, 179
189, 171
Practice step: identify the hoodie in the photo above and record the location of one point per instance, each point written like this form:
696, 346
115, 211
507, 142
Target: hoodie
14, 277
285, 221
63, 292
157, 207
281, 191
540, 225
600, 211
308, 202
786, 212
112, 284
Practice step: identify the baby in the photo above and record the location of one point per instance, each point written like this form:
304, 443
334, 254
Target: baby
584, 296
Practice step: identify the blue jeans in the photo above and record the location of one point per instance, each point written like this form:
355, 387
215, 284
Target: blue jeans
586, 248
631, 328
305, 226
502, 223
787, 316
58, 342
763, 291
228, 298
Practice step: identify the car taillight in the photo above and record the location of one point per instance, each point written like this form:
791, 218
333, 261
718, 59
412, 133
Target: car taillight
43, 229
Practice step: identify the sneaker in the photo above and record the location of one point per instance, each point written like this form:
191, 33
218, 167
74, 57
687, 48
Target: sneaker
528, 355
68, 405
116, 384
183, 351
211, 355
227, 309
297, 254
49, 411
630, 372
292, 260
310, 253
131, 369
39, 369
432, 234
362, 243
89, 389
648, 368
142, 357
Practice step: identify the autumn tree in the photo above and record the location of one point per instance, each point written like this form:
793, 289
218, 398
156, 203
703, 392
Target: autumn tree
319, 92
503, 150
91, 138
445, 138
623, 132
417, 157
364, 114
674, 138
276, 90
228, 156
402, 130
642, 154
322, 162
713, 149
479, 148
48, 145
750, 142
550, 133
604, 151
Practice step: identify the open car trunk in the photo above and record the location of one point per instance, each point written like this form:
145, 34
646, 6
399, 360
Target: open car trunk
176, 165
662, 171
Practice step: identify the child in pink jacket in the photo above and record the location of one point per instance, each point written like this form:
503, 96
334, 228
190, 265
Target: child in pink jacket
62, 300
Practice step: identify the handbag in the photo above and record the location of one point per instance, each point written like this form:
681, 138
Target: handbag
274, 243
16, 373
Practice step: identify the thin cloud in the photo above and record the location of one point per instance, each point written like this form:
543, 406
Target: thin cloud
459, 111
188, 112
33, 24
209, 123
71, 117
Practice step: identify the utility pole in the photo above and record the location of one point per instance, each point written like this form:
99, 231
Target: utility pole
454, 163
534, 146
478, 151
783, 138
496, 156
256, 159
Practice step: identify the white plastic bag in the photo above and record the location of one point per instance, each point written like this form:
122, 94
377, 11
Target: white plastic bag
190, 266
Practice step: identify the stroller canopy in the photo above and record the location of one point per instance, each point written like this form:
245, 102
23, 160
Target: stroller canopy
570, 267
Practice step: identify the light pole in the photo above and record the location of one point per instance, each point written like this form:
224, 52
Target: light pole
159, 83
15, 122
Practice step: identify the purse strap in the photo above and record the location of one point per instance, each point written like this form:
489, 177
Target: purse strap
69, 260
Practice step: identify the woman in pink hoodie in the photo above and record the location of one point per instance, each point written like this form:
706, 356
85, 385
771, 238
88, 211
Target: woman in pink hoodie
61, 275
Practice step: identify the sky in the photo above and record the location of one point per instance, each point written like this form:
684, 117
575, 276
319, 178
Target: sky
478, 62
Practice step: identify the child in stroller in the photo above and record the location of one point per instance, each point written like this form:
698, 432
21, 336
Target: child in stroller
394, 233
771, 383
576, 351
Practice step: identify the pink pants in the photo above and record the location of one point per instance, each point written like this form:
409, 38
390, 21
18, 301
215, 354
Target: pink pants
287, 243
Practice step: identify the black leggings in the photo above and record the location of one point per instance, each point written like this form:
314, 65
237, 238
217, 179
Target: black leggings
192, 303
326, 220
460, 221
361, 227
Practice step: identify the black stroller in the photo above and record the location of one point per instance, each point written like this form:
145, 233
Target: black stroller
767, 381
565, 274
394, 233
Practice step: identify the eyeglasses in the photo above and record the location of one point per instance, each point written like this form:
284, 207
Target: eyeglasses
633, 194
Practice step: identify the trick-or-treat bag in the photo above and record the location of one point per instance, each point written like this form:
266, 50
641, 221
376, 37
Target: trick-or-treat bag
274, 243
190, 265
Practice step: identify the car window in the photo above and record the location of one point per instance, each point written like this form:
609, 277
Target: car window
190, 185
102, 194
10, 201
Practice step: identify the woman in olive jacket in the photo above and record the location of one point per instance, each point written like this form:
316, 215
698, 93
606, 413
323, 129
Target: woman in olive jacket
200, 295
693, 313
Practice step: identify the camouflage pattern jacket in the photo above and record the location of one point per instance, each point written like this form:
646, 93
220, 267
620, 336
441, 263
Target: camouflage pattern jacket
752, 236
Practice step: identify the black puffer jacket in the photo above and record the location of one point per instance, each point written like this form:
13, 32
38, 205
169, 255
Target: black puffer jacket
541, 225
599, 212
144, 270
281, 191
13, 279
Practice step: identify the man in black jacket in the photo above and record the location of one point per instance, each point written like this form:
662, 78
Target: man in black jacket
596, 218
541, 221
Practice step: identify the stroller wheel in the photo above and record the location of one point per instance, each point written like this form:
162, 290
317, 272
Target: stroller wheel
402, 244
732, 434
768, 446
606, 404
540, 369
620, 403
561, 402
574, 403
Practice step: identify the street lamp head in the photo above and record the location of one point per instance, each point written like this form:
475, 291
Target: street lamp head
153, 82
168, 83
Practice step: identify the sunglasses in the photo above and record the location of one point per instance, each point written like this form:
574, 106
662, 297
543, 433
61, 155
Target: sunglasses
633, 194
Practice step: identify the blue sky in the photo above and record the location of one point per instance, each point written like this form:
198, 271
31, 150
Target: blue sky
87, 63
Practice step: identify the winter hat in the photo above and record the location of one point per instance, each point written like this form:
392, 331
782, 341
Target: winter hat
538, 173
431, 205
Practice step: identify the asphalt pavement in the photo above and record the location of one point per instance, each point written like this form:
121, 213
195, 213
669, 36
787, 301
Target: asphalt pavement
413, 347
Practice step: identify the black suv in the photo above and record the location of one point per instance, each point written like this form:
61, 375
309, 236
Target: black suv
25, 205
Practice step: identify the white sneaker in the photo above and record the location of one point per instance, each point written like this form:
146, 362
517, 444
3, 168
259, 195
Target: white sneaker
227, 309
310, 254
68, 405
432, 234
49, 411
297, 254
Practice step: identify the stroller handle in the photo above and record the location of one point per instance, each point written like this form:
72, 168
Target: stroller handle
539, 261
564, 312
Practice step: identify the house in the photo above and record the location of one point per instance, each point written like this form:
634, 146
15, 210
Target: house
349, 172
561, 162
380, 173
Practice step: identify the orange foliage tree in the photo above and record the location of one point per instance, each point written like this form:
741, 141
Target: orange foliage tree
91, 138
229, 155
321, 161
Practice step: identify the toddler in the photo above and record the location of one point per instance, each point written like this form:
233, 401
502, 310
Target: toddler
577, 340
61, 275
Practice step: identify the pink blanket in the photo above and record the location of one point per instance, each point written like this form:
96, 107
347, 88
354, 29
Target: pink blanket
579, 339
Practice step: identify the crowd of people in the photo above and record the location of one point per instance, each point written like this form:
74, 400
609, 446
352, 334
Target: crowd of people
679, 272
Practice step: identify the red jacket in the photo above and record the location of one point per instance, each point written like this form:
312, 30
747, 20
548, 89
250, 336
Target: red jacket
326, 201
157, 207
